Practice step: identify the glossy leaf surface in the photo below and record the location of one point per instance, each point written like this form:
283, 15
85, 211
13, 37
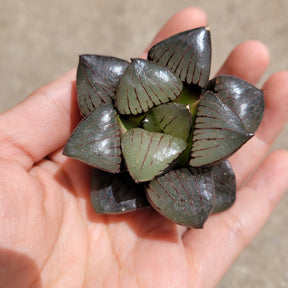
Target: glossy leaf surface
218, 131
185, 196
149, 154
224, 186
96, 140
245, 99
187, 54
97, 80
144, 85
174, 119
116, 193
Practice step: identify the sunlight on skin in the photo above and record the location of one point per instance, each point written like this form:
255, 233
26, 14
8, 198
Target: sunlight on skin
46, 213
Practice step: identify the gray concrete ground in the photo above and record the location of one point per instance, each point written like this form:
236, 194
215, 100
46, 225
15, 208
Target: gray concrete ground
41, 40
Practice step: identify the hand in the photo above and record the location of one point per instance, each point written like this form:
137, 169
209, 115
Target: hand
50, 235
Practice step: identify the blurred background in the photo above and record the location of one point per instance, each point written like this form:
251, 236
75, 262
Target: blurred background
41, 40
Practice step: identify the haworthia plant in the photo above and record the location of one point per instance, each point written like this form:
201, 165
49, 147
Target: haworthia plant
159, 132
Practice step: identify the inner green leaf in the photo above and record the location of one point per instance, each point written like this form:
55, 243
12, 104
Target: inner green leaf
149, 154
174, 119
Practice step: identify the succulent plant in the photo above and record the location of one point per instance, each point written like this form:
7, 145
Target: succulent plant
159, 132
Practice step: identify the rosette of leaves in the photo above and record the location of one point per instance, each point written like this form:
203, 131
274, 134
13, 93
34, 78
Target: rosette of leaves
159, 132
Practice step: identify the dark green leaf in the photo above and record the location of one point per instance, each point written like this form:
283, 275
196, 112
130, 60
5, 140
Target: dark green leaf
187, 54
185, 196
240, 96
224, 186
97, 80
149, 154
144, 85
116, 193
218, 131
96, 140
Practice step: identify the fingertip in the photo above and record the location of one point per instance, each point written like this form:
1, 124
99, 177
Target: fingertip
258, 51
196, 15
276, 78
188, 18
281, 158
276, 106
249, 60
275, 90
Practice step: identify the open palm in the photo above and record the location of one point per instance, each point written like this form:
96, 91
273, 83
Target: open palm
50, 235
